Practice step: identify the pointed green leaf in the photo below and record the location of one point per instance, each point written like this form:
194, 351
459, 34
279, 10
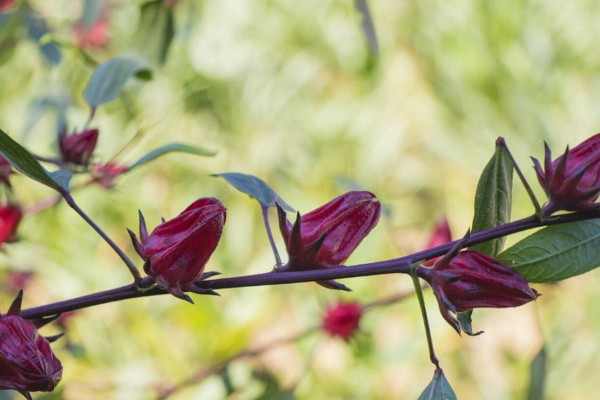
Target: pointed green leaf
493, 199
537, 376
556, 252
255, 187
170, 148
438, 389
109, 77
155, 31
466, 323
24, 162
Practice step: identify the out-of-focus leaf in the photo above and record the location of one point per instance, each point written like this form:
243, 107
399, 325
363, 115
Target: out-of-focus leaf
272, 387
10, 28
367, 26
55, 103
438, 389
24, 162
466, 324
172, 147
255, 187
556, 252
493, 198
154, 32
537, 376
36, 29
109, 77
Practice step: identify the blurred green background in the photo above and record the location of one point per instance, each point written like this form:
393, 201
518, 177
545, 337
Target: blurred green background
291, 92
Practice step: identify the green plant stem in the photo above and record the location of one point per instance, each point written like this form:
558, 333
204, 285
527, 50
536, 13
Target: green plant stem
419, 292
265, 214
130, 265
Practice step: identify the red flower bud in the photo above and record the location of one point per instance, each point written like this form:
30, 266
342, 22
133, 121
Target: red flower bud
441, 235
326, 236
6, 4
27, 362
10, 216
572, 181
342, 319
177, 250
94, 35
105, 174
77, 148
471, 279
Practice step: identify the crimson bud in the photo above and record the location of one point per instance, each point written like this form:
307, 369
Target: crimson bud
77, 148
470, 279
10, 216
572, 181
342, 319
27, 363
326, 236
177, 250
441, 235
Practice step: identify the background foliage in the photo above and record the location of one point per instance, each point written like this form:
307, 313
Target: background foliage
289, 91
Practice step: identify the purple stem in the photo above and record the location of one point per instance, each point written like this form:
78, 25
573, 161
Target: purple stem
397, 265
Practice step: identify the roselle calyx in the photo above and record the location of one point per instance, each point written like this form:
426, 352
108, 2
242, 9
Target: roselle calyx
572, 181
176, 251
468, 279
27, 363
342, 319
327, 236
77, 148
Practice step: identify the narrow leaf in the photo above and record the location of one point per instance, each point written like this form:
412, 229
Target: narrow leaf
256, 188
24, 162
438, 389
556, 252
155, 31
493, 199
537, 376
109, 77
367, 26
170, 148
466, 324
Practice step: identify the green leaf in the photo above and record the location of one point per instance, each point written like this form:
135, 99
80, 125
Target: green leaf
109, 77
556, 252
24, 162
493, 199
170, 148
155, 31
255, 187
537, 376
466, 324
438, 389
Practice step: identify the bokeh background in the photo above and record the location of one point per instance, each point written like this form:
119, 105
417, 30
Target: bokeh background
291, 91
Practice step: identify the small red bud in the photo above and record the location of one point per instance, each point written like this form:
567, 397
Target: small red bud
10, 216
441, 235
177, 250
471, 279
327, 236
342, 319
572, 181
27, 363
105, 174
77, 148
